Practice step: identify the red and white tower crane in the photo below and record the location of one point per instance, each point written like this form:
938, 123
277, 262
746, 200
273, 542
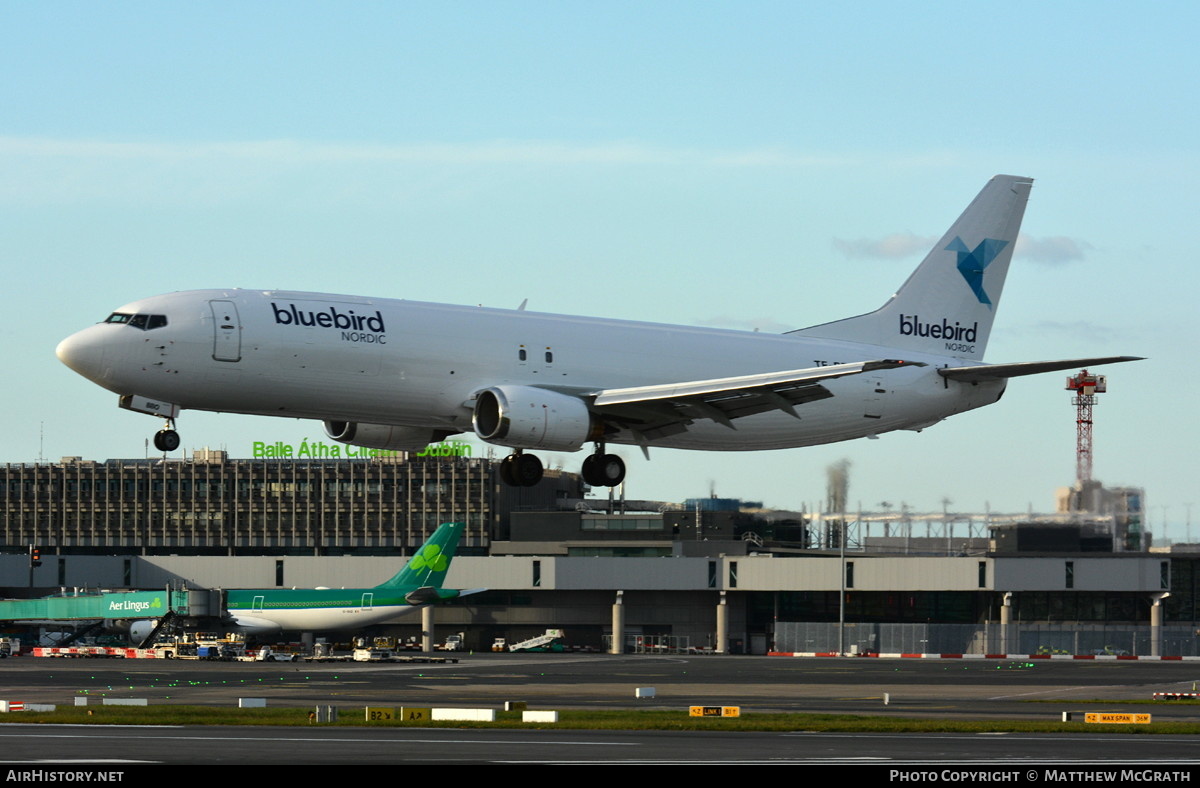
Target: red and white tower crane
1086, 386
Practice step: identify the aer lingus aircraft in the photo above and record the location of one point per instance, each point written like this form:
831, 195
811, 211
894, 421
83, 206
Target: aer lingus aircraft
394, 374
418, 584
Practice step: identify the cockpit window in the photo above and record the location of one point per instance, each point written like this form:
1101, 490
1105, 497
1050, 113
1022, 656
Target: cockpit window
142, 322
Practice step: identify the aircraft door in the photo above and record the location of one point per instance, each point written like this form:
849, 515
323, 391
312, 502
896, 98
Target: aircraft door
368, 601
875, 406
227, 331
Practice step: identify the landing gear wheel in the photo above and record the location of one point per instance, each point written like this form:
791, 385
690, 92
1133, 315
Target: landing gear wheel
589, 472
508, 472
603, 470
166, 440
528, 469
612, 470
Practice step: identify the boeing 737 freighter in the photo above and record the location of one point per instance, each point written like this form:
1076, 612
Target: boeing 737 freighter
419, 583
395, 374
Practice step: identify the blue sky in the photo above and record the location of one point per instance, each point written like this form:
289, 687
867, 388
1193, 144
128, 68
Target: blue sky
769, 165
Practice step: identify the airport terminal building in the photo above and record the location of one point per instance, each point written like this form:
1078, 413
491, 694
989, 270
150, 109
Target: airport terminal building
725, 580
213, 505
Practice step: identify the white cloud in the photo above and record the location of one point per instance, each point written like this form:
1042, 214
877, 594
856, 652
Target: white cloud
1075, 329
63, 171
765, 324
491, 152
1051, 250
894, 246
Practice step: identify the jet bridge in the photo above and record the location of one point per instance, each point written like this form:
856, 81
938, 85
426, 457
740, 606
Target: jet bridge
106, 609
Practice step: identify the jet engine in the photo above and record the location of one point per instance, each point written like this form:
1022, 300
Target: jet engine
119, 626
525, 417
383, 436
140, 630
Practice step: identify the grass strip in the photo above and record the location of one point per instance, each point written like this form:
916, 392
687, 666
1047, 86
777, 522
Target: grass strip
655, 719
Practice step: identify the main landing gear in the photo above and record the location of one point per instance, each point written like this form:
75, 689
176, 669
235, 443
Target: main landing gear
521, 470
525, 470
167, 439
603, 470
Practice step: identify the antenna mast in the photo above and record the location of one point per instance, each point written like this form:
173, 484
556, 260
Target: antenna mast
1086, 387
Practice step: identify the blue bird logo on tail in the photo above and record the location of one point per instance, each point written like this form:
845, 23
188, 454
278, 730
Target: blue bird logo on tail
971, 264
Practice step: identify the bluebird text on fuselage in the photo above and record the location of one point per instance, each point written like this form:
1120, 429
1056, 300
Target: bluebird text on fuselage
289, 315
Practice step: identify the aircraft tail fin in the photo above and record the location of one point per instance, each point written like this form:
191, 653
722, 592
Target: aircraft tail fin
428, 566
948, 304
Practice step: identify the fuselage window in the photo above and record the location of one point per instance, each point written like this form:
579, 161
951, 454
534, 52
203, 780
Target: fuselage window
521, 354
549, 357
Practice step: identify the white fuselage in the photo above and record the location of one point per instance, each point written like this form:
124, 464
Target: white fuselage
419, 364
319, 619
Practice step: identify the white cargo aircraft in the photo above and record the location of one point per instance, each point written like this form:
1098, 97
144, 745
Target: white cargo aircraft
395, 374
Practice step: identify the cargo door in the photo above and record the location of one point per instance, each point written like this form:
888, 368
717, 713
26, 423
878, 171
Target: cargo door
876, 393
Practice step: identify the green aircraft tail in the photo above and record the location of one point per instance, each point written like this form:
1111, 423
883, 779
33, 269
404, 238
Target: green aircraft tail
429, 564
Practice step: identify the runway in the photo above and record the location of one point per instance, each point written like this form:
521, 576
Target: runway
974, 689
317, 746
980, 689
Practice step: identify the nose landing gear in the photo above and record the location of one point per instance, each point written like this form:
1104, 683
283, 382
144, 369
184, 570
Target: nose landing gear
167, 439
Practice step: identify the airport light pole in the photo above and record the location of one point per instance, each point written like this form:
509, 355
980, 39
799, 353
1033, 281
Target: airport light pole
842, 592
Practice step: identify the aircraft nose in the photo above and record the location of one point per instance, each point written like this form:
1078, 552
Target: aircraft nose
83, 352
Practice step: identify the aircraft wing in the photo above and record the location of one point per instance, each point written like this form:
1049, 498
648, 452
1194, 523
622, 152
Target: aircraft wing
983, 372
660, 410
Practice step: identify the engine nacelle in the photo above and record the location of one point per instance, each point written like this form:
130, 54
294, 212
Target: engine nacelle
119, 626
525, 417
140, 630
383, 436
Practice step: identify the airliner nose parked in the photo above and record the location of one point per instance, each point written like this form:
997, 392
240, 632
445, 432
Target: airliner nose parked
398, 375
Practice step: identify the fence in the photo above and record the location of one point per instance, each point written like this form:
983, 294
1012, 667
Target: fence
1085, 639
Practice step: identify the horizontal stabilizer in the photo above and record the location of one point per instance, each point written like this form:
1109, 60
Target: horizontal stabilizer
428, 594
422, 596
1001, 371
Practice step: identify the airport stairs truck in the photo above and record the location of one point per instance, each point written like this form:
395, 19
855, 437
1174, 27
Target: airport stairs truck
547, 642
